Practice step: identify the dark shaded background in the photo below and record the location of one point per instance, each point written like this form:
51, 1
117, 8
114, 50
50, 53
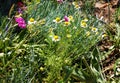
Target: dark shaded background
5, 6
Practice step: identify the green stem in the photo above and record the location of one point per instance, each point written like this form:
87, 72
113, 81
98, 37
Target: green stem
88, 67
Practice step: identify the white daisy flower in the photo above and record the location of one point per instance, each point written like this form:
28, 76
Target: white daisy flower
83, 24
94, 29
31, 21
57, 20
55, 38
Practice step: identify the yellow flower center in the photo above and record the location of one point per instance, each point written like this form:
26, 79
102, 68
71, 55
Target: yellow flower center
41, 69
83, 24
57, 19
104, 35
31, 19
66, 23
70, 17
56, 37
77, 6
94, 29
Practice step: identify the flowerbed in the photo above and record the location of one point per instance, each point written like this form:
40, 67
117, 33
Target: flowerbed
51, 42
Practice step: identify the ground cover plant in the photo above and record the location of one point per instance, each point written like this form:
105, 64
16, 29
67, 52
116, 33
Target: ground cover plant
56, 41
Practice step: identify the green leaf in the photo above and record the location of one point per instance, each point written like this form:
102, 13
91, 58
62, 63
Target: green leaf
68, 71
1, 44
78, 75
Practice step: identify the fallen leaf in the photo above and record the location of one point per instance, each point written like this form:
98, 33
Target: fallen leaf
100, 5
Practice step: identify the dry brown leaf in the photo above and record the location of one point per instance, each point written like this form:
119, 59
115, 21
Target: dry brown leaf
114, 2
100, 5
106, 10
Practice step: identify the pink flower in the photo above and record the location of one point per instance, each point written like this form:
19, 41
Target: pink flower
19, 19
66, 18
60, 1
21, 22
22, 25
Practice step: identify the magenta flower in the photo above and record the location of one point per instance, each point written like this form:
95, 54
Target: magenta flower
60, 1
19, 19
21, 22
66, 18
22, 25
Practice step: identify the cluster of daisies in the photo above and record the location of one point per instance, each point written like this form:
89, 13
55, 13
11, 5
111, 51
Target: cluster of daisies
21, 21
66, 20
84, 24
